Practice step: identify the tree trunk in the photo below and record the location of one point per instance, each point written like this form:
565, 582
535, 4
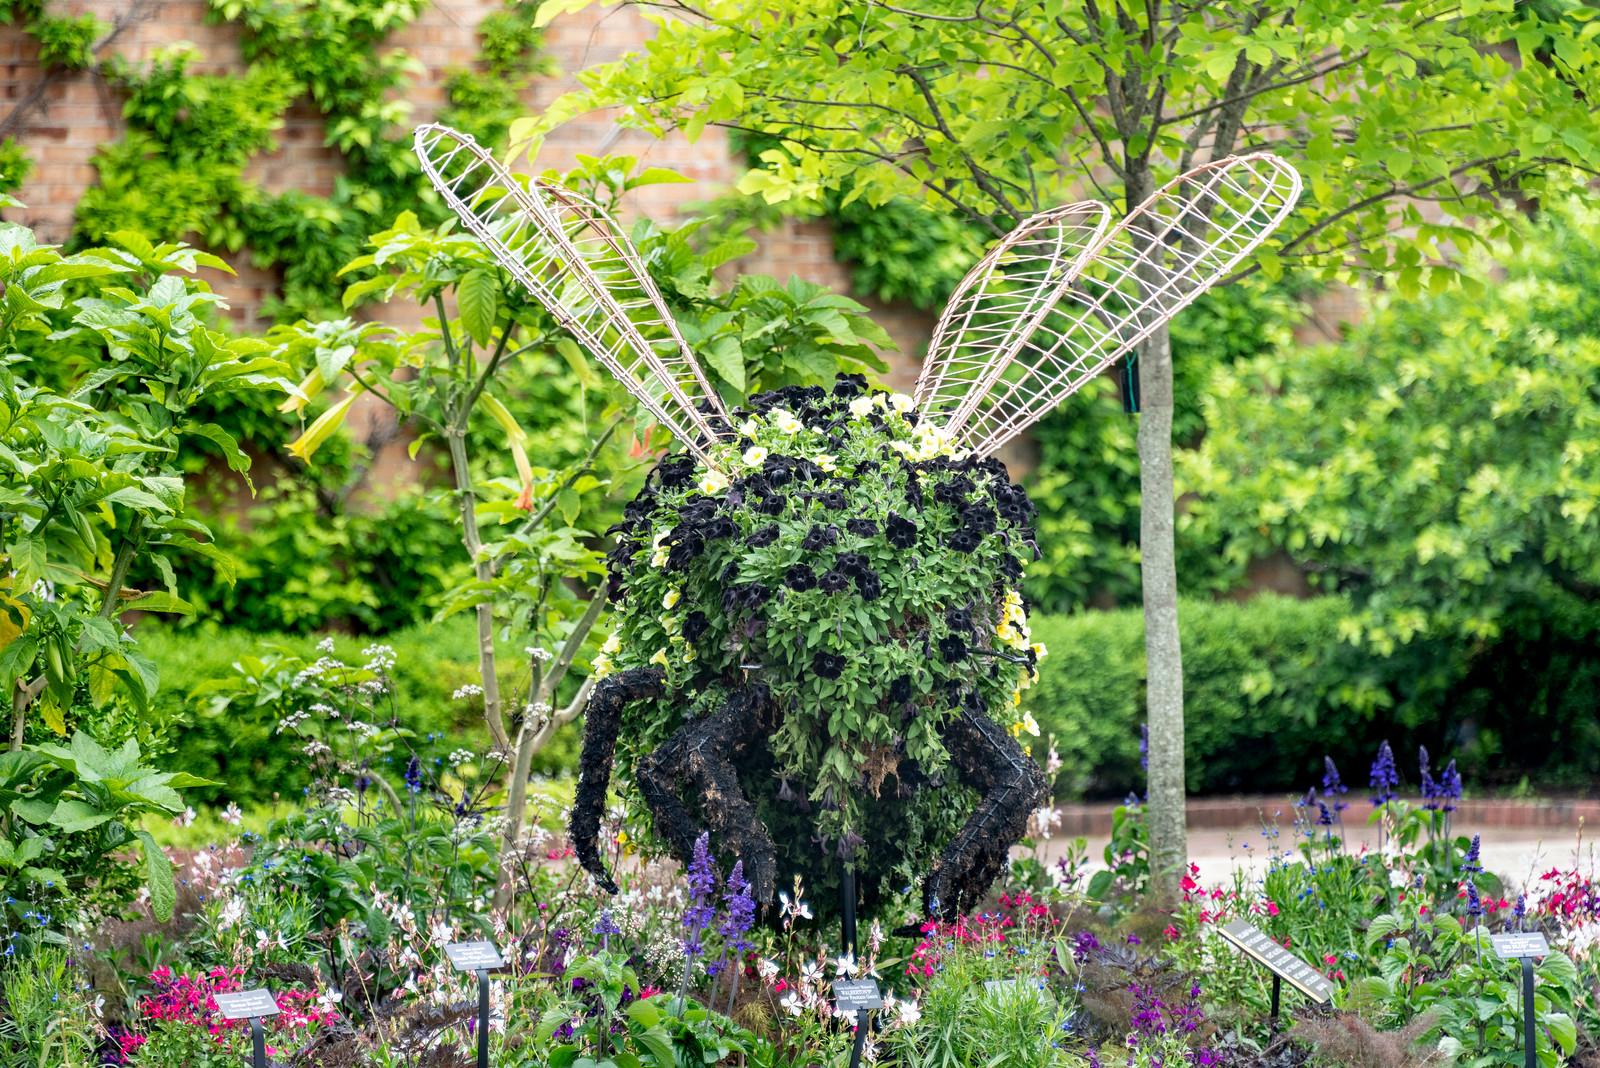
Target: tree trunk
483, 570
1169, 850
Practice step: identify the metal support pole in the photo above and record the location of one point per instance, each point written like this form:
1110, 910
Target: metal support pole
1529, 1055
1277, 997
258, 1039
483, 1018
847, 909
862, 1025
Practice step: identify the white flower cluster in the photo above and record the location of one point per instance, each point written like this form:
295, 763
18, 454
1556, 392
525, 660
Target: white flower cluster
471, 689
380, 658
460, 757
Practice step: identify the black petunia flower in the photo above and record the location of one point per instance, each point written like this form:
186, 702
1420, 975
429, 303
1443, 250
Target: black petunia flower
832, 500
1011, 568
828, 665
851, 563
978, 518
771, 504
952, 648
800, 577
900, 532
763, 536
685, 550
869, 585
676, 471
819, 537
953, 491
964, 541
719, 528
866, 528
849, 387
834, 582
695, 625
755, 594
900, 690
958, 619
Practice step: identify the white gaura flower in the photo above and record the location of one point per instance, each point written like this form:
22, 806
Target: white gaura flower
785, 421
845, 965
184, 818
440, 933
755, 456
907, 1012
232, 914
232, 815
713, 482
792, 1004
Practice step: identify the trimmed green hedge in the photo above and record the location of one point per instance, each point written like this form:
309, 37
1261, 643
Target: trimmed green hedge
1269, 689
243, 753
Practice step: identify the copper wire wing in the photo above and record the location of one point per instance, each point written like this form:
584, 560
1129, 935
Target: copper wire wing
1102, 290
571, 255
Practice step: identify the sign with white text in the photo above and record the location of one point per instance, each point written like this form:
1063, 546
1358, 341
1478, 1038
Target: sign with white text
1258, 946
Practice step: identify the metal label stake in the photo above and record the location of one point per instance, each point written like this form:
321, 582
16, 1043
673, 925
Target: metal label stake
478, 958
252, 1005
860, 996
1259, 947
1524, 947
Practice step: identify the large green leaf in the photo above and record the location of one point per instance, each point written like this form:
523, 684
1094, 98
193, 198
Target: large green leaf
478, 301
158, 876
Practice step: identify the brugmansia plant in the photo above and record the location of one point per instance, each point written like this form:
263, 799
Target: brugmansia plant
105, 358
820, 615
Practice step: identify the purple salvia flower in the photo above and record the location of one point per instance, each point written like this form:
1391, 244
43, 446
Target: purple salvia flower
1384, 776
414, 775
605, 927
1450, 786
1472, 863
702, 891
1431, 793
1474, 903
741, 913
1332, 786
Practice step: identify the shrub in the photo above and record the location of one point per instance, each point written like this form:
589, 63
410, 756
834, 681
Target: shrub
241, 751
1270, 687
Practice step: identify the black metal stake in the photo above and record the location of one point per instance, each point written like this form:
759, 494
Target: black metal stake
1529, 1056
1277, 997
847, 910
258, 1039
483, 1017
862, 1024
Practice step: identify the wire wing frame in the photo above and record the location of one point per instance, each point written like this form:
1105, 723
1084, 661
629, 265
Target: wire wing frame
571, 255
1127, 282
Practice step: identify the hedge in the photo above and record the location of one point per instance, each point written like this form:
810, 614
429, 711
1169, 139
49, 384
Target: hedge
1270, 689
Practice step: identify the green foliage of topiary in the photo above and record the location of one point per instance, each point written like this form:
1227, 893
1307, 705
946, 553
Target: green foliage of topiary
867, 577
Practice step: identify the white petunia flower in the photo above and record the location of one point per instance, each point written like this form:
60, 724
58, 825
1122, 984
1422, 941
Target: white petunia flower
755, 456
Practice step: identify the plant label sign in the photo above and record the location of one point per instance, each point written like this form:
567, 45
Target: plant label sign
1254, 943
247, 1004
1519, 945
854, 995
474, 956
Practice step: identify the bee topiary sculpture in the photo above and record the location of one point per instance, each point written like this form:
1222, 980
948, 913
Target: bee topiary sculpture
821, 648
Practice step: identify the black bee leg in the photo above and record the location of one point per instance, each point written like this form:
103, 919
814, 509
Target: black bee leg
989, 760
602, 720
701, 755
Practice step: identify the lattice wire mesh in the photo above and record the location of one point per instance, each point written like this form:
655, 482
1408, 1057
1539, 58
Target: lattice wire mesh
1000, 303
572, 256
1185, 238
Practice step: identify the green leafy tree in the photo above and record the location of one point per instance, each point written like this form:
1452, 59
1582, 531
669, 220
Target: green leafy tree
1440, 466
1403, 116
